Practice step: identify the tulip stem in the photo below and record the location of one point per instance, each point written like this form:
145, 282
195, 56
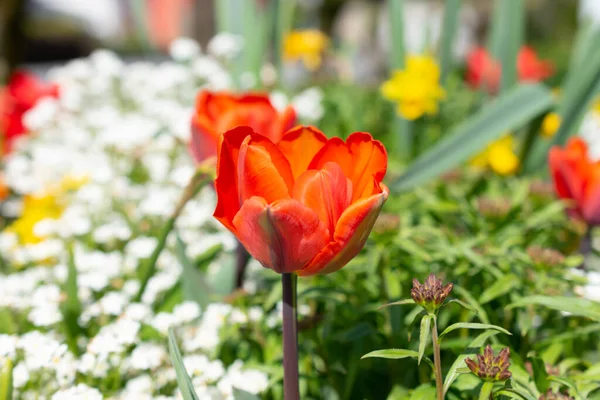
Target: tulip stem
439, 381
290, 338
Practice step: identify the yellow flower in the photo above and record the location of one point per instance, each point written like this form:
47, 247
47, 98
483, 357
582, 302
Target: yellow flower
306, 45
499, 157
416, 88
48, 204
550, 124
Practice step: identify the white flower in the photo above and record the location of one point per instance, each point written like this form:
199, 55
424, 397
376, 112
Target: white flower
8, 347
79, 392
225, 45
186, 312
163, 321
184, 49
20, 375
202, 370
251, 381
148, 356
138, 387
41, 114
141, 247
45, 315
309, 104
113, 303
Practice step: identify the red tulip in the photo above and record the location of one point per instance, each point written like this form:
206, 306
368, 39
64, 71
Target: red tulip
530, 68
484, 70
20, 95
305, 204
577, 179
219, 112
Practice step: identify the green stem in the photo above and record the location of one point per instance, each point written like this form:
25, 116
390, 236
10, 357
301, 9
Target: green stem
203, 175
486, 391
290, 338
6, 380
439, 381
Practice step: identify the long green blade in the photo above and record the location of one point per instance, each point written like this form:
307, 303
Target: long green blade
502, 115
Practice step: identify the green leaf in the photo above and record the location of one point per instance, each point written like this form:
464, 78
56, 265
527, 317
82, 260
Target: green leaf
397, 303
193, 281
580, 307
462, 304
473, 348
223, 281
540, 376
239, 394
183, 379
512, 28
579, 90
498, 288
568, 383
393, 354
486, 391
71, 308
6, 386
449, 25
471, 325
396, 14
506, 113
515, 394
424, 335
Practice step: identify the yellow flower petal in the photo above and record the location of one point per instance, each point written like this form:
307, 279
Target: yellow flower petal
550, 124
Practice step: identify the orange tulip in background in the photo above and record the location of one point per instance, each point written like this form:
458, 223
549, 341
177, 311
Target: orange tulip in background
217, 112
21, 94
577, 178
305, 204
483, 70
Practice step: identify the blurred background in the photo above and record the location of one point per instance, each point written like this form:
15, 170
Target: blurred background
41, 32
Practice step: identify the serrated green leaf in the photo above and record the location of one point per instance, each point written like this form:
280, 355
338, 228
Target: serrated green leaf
506, 113
393, 354
183, 379
424, 335
580, 307
471, 325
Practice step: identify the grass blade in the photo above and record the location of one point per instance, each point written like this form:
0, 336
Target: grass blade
183, 379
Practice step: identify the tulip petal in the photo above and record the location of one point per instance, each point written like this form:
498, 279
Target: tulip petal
226, 183
300, 145
327, 192
285, 122
282, 236
350, 235
591, 205
204, 141
263, 170
369, 160
362, 159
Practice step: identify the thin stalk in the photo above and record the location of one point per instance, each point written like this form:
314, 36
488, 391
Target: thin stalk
439, 381
291, 389
204, 174
486, 391
585, 247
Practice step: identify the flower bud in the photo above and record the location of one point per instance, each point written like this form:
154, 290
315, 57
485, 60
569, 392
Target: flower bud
431, 294
490, 368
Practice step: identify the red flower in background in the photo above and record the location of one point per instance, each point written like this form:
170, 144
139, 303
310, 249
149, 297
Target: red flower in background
530, 68
306, 204
218, 112
577, 178
484, 70
19, 96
